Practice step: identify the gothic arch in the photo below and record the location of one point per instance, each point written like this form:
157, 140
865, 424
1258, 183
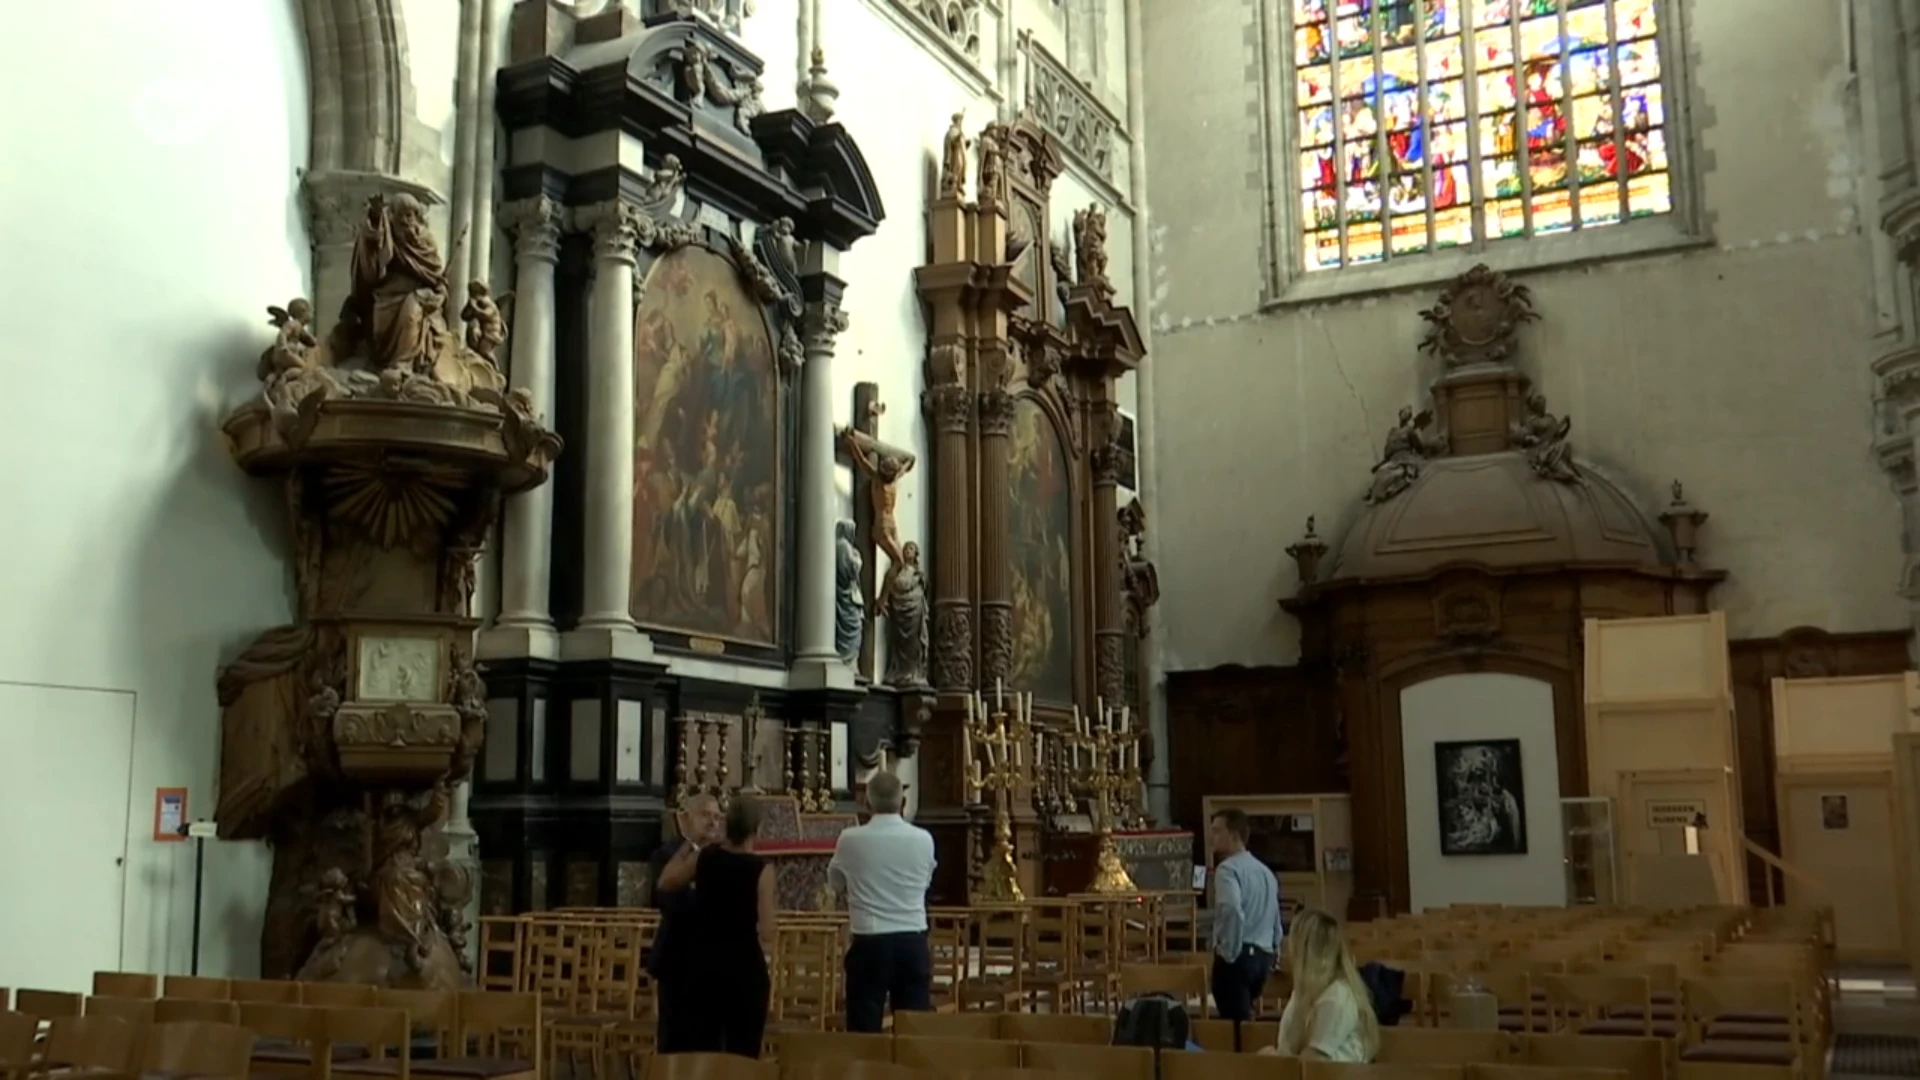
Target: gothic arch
362, 89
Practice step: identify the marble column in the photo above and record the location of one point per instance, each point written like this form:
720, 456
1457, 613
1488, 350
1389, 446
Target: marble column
1110, 642
525, 623
605, 621
813, 631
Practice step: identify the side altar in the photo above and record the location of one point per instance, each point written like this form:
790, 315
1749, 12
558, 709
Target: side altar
1038, 583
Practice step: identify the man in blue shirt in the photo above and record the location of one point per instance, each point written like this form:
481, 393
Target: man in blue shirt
1246, 919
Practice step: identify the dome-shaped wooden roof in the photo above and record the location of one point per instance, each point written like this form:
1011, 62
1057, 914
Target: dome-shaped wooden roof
1493, 510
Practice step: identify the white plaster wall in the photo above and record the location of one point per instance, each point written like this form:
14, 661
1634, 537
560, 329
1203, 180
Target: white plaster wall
1739, 368
1483, 705
149, 221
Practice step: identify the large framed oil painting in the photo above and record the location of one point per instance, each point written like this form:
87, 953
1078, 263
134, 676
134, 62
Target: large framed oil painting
1039, 540
707, 453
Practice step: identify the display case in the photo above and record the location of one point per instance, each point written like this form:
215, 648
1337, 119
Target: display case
1587, 824
1306, 840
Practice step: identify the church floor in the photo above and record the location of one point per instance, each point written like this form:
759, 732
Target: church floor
1877, 1026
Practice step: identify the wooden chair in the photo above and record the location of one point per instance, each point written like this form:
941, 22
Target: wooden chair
125, 984
503, 953
1413, 1046
926, 1025
949, 940
1198, 1065
19, 1034
1330, 1070
88, 1043
291, 1040
1096, 970
1049, 1028
1105, 1062
272, 991
847, 1070
327, 995
1000, 984
137, 1011
195, 1011
808, 1047
709, 1067
1184, 981
1540, 1072
48, 1004
1711, 1037
1716, 1070
499, 1039
434, 1014
806, 985
1638, 1057
1015, 1073
198, 1050
198, 987
1052, 929
955, 1055
1582, 1004
387, 1035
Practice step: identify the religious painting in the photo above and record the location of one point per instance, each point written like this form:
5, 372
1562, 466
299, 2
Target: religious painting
1039, 540
1483, 801
706, 455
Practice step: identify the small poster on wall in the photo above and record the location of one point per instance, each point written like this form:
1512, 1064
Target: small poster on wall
1834, 812
1482, 797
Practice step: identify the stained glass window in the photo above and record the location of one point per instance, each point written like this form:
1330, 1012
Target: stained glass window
1433, 124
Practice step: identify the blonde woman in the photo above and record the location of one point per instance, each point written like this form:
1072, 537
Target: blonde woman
1329, 1016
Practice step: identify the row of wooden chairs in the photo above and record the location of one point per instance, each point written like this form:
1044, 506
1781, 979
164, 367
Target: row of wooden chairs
75, 1045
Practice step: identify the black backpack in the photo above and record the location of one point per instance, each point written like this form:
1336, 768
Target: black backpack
1156, 1020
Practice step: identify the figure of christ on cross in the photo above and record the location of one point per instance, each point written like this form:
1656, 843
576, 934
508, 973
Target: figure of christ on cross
883, 466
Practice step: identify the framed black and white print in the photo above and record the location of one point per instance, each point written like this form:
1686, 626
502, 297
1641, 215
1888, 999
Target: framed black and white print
1483, 800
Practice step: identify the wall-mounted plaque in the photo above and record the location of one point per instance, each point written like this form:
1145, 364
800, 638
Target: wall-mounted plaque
398, 668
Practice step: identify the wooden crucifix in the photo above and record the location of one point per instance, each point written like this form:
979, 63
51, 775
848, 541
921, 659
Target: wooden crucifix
877, 469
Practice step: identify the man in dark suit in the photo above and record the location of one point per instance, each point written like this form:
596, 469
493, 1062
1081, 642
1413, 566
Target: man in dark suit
699, 824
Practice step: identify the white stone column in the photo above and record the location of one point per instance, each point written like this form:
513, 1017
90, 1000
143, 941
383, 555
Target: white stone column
813, 630
606, 626
525, 623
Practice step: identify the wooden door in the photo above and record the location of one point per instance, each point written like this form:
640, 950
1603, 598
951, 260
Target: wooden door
1654, 806
1838, 829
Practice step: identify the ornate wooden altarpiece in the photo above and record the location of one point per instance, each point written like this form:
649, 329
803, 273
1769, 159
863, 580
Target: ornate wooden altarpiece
1025, 348
1480, 543
662, 116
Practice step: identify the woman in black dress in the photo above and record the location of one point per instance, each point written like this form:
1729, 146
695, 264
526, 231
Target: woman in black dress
733, 913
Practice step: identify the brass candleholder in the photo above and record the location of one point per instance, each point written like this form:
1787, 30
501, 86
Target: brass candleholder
724, 730
789, 764
750, 720
682, 790
1002, 776
1107, 741
700, 730
807, 747
824, 740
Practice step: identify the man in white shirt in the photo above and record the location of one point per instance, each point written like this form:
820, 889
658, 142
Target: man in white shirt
885, 868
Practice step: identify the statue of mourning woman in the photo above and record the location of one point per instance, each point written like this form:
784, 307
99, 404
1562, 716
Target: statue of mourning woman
850, 603
1407, 449
394, 316
904, 602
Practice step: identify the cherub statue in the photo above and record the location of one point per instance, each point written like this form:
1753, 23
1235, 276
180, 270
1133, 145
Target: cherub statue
785, 246
289, 349
1407, 448
884, 466
1543, 437
486, 328
334, 908
660, 189
953, 159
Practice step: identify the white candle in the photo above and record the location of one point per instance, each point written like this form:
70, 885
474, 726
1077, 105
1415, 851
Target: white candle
999, 696
1126, 716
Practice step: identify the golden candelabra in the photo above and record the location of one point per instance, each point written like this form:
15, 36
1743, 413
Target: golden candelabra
1000, 767
750, 720
1114, 750
823, 758
801, 770
682, 788
725, 732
